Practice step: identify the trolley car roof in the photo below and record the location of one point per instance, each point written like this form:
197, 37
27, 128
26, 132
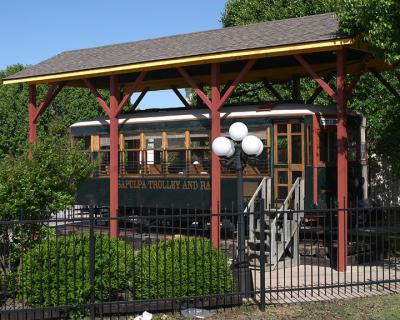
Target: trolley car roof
283, 110
315, 36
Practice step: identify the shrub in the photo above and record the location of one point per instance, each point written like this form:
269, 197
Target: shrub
180, 268
8, 285
56, 271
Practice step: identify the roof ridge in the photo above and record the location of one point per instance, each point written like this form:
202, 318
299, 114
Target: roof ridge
199, 32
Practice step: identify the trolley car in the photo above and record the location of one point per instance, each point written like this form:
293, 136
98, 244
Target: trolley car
165, 155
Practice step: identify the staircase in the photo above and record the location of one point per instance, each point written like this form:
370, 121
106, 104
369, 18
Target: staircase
282, 225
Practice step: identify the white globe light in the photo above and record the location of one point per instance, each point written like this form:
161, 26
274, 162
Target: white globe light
222, 146
251, 145
238, 131
232, 149
261, 149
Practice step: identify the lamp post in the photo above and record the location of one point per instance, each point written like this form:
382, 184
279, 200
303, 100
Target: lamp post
235, 153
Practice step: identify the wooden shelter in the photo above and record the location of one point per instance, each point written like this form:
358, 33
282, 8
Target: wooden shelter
268, 52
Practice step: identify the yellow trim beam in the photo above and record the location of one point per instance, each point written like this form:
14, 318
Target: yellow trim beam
188, 61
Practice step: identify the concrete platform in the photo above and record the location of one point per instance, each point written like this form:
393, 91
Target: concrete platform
305, 283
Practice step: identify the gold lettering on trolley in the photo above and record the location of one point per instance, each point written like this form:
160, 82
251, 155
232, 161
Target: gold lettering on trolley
205, 185
164, 184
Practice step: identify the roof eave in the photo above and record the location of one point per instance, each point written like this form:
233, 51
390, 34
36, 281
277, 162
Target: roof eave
283, 50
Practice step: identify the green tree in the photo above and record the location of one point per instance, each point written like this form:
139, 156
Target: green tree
240, 12
34, 188
70, 105
377, 22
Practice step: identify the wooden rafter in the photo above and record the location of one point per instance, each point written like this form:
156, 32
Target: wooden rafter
296, 90
319, 89
356, 78
268, 85
215, 74
195, 87
139, 99
315, 76
97, 95
386, 84
180, 97
131, 90
226, 87
238, 80
50, 95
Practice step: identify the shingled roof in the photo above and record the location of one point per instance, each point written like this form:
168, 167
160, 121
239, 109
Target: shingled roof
260, 35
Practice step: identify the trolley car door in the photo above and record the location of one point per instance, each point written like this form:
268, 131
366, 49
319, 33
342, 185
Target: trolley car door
288, 157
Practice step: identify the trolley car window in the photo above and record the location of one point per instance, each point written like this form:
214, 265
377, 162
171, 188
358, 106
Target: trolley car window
295, 175
104, 156
176, 154
282, 128
104, 143
154, 154
282, 149
133, 157
296, 128
353, 138
199, 154
261, 164
328, 147
283, 177
83, 143
309, 146
296, 149
176, 141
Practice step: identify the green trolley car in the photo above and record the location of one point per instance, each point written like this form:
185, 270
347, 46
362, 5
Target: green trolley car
165, 156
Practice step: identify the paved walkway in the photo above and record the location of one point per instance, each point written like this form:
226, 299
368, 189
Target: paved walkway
304, 283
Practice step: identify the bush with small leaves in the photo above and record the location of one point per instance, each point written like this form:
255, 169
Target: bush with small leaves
181, 268
57, 271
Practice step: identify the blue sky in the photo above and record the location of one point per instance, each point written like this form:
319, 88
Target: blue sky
34, 30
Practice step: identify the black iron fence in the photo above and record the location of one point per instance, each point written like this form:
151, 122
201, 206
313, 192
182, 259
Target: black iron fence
306, 268
69, 266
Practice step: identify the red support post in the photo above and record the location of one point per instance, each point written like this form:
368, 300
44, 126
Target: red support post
114, 150
342, 192
32, 115
315, 144
214, 104
215, 164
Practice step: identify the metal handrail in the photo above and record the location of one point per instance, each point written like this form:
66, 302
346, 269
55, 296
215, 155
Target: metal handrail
299, 183
265, 188
285, 204
250, 204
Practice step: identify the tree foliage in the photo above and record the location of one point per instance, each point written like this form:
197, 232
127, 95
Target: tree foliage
70, 105
33, 189
43, 184
377, 22
240, 12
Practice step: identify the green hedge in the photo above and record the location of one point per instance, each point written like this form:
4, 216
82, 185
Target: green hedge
8, 285
56, 272
180, 268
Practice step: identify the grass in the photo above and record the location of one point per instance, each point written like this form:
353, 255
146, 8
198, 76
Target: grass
385, 307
